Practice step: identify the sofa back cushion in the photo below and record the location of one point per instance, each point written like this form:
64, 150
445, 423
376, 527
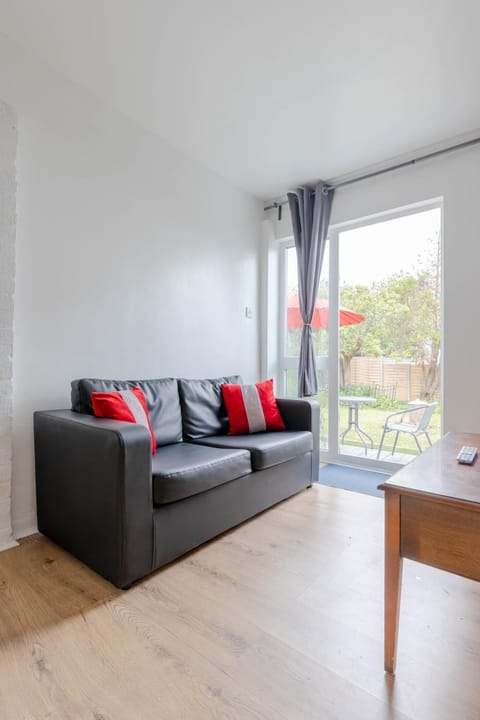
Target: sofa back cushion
203, 408
161, 395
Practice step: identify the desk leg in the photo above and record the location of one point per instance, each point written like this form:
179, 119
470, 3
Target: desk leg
393, 577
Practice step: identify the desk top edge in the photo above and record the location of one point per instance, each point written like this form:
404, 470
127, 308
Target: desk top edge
436, 472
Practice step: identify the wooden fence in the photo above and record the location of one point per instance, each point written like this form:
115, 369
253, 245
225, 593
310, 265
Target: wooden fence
405, 379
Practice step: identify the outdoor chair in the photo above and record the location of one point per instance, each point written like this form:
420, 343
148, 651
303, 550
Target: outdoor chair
423, 413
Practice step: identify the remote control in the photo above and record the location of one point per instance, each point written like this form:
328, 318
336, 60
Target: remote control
467, 455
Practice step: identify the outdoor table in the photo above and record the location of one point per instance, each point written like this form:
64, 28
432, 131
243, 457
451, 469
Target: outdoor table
353, 402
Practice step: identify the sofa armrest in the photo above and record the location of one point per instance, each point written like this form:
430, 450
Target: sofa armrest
303, 414
94, 491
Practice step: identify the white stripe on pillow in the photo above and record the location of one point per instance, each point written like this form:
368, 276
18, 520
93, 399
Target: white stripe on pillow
135, 407
253, 408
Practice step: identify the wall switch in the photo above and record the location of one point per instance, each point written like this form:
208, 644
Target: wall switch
248, 312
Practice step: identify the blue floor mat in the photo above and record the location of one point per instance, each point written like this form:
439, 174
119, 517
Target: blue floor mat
350, 478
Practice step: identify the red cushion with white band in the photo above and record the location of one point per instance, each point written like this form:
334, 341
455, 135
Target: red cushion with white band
127, 405
252, 408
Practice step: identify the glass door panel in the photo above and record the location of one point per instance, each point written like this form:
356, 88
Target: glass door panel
389, 337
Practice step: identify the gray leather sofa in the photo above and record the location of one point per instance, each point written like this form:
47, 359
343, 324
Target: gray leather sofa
103, 497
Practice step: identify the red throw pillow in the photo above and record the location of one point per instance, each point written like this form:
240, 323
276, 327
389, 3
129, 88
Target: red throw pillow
127, 405
252, 408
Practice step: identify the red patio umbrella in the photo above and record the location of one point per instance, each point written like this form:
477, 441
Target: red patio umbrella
320, 314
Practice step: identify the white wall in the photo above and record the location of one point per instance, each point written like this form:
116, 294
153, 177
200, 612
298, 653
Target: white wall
455, 177
131, 260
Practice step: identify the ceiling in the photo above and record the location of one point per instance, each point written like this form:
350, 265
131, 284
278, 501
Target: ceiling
270, 94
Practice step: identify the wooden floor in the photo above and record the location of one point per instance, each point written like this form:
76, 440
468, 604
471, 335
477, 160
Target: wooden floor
280, 619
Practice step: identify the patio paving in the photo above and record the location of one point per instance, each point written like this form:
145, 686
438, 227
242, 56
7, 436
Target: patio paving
386, 455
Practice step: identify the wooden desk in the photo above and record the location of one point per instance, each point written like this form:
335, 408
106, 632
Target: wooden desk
432, 515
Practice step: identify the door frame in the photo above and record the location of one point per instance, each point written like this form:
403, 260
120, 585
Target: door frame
330, 363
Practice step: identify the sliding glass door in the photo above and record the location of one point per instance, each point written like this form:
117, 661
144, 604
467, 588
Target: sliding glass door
386, 281
377, 335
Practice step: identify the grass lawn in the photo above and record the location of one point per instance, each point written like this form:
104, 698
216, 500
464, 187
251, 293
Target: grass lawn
372, 419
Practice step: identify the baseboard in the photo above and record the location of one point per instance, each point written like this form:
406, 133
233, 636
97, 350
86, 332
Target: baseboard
7, 542
24, 525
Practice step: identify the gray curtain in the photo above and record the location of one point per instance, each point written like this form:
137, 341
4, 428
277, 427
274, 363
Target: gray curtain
310, 209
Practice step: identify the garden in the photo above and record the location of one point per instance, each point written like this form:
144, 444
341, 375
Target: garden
372, 419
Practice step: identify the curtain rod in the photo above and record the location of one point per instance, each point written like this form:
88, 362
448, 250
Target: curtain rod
391, 168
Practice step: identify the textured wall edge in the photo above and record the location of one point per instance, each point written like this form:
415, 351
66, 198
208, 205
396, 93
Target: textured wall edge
8, 149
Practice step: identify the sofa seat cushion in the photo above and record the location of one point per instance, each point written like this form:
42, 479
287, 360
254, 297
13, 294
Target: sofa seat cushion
183, 469
267, 448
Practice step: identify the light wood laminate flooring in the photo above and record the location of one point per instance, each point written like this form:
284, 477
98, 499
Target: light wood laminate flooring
279, 619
